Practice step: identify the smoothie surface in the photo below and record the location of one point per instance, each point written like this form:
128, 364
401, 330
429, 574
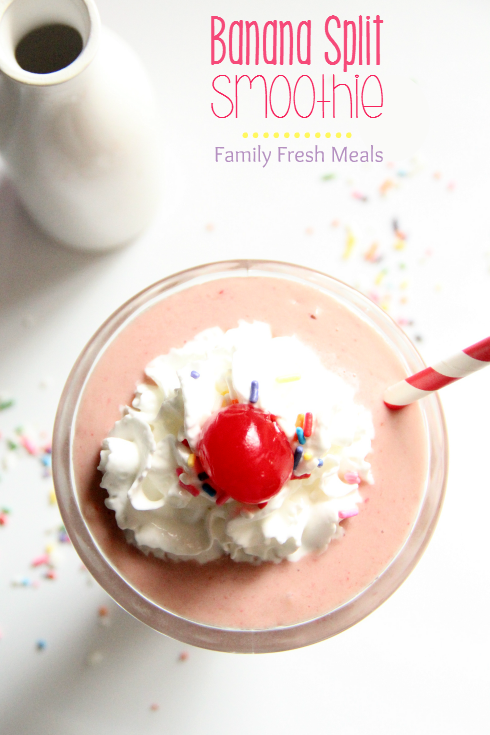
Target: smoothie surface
239, 595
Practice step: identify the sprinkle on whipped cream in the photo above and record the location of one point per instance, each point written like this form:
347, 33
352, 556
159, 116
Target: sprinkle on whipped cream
163, 499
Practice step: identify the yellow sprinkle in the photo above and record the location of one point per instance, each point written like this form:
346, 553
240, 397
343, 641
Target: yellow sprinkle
223, 392
379, 278
349, 244
287, 378
191, 459
307, 456
300, 420
399, 245
49, 548
52, 496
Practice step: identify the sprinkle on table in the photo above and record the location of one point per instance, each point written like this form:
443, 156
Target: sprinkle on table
183, 656
28, 445
195, 374
40, 560
41, 644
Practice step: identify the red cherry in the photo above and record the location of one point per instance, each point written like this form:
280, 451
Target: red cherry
245, 453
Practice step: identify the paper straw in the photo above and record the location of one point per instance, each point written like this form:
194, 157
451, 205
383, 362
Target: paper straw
427, 381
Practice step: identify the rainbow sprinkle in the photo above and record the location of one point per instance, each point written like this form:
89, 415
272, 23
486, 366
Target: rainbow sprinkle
343, 514
208, 489
298, 454
287, 378
352, 478
300, 434
254, 391
195, 374
308, 425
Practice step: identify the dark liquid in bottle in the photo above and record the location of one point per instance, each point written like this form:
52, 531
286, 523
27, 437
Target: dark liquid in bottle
49, 48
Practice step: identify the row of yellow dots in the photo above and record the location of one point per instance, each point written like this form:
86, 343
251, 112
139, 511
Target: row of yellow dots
297, 135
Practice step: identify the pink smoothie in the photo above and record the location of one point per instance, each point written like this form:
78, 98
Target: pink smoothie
238, 595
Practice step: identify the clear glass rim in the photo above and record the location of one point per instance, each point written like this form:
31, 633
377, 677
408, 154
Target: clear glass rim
231, 640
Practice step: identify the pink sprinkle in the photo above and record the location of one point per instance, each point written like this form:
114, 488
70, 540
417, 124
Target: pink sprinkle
51, 574
190, 488
308, 424
352, 478
28, 445
183, 656
343, 514
154, 707
3, 519
222, 499
38, 561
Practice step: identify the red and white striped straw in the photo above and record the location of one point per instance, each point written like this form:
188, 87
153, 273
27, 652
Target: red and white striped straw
427, 381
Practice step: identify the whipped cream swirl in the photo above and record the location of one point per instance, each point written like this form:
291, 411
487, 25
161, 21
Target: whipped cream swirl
151, 471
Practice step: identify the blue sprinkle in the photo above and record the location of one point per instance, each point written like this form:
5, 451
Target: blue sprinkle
320, 463
46, 460
298, 454
208, 489
301, 435
41, 645
195, 374
254, 391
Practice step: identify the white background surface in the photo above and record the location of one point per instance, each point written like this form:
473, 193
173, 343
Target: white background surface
419, 663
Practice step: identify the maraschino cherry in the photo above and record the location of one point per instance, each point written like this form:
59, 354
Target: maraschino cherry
245, 453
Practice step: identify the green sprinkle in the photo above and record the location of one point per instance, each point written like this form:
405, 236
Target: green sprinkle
8, 403
12, 445
328, 177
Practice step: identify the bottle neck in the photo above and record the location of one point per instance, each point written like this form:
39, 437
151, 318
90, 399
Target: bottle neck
43, 44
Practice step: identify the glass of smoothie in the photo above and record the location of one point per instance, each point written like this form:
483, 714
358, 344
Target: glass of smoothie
229, 605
